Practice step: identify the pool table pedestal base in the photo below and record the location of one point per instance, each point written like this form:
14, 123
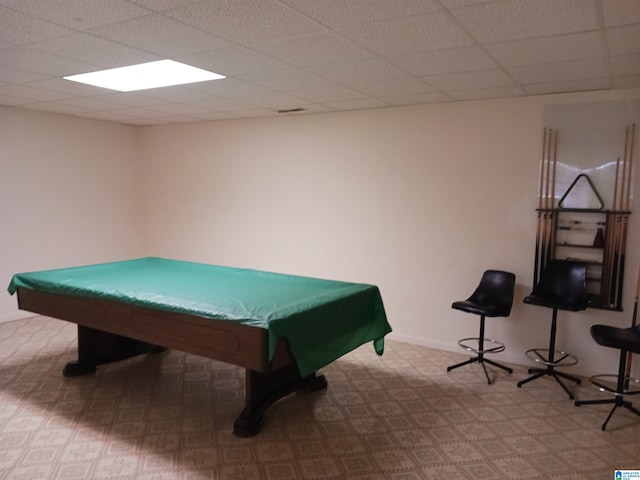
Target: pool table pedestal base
262, 389
96, 347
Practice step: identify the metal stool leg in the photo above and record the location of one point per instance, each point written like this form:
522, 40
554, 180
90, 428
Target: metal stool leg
551, 362
619, 392
480, 351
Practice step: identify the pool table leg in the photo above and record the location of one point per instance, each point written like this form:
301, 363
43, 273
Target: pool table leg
96, 347
264, 389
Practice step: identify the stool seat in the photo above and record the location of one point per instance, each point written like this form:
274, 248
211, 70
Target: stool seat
623, 338
569, 304
486, 309
492, 298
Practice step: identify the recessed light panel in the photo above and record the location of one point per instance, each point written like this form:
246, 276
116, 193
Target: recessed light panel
162, 73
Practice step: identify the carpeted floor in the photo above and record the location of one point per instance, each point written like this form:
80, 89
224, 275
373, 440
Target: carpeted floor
400, 416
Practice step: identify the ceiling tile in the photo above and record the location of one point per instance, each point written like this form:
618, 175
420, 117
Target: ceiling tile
180, 108
287, 79
233, 61
499, 21
340, 13
358, 104
78, 14
32, 94
5, 45
449, 4
620, 12
21, 29
175, 94
42, 62
68, 87
54, 107
624, 40
410, 34
560, 72
226, 87
418, 99
213, 115
141, 112
403, 86
568, 86
247, 21
469, 80
98, 51
484, 93
13, 101
92, 103
161, 35
11, 74
335, 93
107, 115
222, 104
359, 71
625, 65
160, 5
438, 62
274, 100
548, 49
314, 49
132, 99
626, 81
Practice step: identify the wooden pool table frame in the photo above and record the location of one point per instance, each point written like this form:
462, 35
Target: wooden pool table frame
109, 331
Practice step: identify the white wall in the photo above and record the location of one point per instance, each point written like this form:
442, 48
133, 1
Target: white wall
68, 194
417, 200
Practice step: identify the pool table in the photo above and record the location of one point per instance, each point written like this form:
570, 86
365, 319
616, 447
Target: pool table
280, 328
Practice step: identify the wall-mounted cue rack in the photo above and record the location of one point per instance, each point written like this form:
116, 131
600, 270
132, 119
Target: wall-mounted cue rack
595, 236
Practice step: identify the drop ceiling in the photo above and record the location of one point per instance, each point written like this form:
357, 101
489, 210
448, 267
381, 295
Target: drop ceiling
311, 56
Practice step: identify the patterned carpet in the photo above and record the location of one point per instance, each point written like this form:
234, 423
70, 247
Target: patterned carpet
400, 416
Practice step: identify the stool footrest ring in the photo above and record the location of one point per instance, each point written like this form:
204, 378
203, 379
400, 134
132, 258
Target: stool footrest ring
560, 359
497, 348
632, 385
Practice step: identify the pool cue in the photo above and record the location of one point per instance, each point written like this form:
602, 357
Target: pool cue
610, 240
632, 134
625, 215
619, 221
540, 213
544, 254
552, 198
615, 251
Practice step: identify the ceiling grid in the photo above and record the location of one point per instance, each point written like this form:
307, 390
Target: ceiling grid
316, 56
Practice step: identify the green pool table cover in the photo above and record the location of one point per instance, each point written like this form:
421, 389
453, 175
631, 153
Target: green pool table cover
322, 319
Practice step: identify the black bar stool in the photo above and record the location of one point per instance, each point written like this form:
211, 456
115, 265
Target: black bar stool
562, 286
492, 298
626, 340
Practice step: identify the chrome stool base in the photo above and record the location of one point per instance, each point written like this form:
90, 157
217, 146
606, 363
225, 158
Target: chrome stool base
624, 386
631, 385
565, 360
480, 351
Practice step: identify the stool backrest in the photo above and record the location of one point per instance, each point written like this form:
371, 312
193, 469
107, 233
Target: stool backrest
496, 290
564, 282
